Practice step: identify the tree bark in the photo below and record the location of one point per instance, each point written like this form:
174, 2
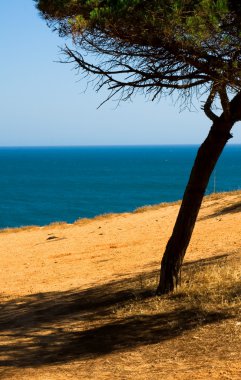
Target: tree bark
205, 161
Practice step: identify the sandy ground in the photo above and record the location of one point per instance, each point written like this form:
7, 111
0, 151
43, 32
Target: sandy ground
49, 273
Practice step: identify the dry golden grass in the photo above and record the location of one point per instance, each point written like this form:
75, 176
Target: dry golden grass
121, 329
206, 286
155, 207
82, 221
214, 287
56, 224
18, 229
221, 195
101, 217
79, 303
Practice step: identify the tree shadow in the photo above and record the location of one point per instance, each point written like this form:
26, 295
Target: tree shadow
234, 208
58, 327
218, 259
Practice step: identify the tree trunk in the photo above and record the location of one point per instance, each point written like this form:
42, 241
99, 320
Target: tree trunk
205, 161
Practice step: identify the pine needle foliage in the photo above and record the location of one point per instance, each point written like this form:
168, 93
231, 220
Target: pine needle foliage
154, 47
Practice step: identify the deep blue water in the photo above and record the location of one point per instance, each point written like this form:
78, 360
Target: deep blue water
42, 185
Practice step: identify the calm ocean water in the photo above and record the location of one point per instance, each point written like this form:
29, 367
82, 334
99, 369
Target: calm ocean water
43, 185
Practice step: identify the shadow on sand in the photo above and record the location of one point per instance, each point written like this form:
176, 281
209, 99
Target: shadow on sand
58, 327
231, 209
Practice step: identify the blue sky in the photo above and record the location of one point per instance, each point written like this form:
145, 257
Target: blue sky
44, 104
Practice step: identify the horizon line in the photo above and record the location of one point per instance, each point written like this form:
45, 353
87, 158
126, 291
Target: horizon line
104, 145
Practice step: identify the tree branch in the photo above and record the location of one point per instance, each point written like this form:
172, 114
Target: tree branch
208, 104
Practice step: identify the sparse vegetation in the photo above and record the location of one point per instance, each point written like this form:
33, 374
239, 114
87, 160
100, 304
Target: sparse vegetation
207, 286
155, 207
84, 306
18, 229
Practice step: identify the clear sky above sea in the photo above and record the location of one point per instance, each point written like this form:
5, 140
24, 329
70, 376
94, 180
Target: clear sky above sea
44, 104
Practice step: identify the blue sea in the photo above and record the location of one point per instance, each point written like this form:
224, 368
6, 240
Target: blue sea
42, 185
